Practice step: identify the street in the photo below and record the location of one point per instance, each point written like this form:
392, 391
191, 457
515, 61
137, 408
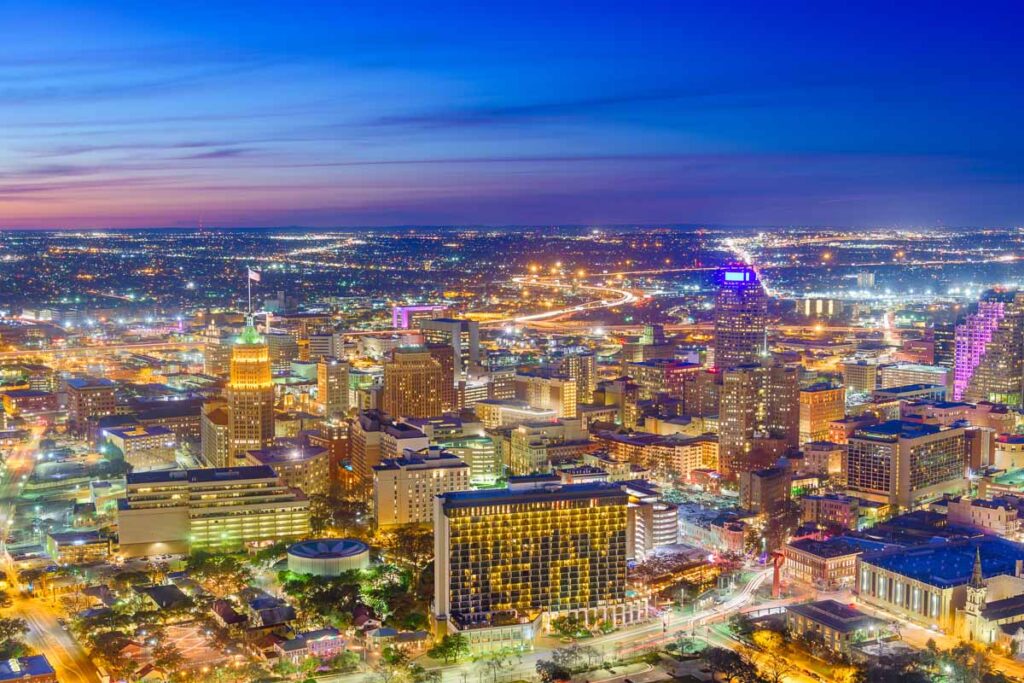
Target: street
45, 634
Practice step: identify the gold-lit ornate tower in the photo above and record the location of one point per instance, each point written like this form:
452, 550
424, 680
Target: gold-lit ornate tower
250, 394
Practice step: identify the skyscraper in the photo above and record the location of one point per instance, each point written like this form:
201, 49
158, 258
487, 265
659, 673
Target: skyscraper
989, 360
741, 309
445, 355
413, 384
944, 338
582, 368
250, 394
332, 386
758, 416
462, 335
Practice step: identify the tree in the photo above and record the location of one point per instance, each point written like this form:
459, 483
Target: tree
220, 574
450, 648
741, 624
774, 666
412, 546
11, 631
550, 672
568, 657
767, 641
569, 626
732, 666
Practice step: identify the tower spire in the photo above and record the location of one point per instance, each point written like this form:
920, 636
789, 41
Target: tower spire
976, 577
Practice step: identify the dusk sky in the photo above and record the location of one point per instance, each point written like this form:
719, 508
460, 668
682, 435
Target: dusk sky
136, 114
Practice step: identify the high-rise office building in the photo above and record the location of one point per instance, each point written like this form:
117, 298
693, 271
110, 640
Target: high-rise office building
445, 355
989, 358
414, 384
216, 351
89, 398
624, 395
462, 335
582, 368
364, 434
944, 341
657, 377
213, 434
250, 395
511, 557
820, 405
741, 311
332, 386
283, 349
758, 416
545, 391
906, 463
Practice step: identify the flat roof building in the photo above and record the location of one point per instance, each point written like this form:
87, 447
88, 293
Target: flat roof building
209, 509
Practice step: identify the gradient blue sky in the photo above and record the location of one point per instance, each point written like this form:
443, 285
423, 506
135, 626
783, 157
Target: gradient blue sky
382, 113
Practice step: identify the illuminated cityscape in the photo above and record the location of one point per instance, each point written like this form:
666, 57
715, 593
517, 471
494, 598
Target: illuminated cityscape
511, 343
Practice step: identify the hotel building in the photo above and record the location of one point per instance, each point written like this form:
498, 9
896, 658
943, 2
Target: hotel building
404, 488
906, 464
511, 556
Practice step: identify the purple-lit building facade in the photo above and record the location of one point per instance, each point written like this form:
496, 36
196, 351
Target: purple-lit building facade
405, 317
989, 356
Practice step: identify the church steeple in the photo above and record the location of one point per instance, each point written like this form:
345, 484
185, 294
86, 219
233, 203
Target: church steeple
977, 580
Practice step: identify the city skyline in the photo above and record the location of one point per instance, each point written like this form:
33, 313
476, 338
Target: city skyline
179, 115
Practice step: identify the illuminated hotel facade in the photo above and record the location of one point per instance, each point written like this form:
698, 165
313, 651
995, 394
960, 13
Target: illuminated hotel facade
741, 311
250, 395
528, 554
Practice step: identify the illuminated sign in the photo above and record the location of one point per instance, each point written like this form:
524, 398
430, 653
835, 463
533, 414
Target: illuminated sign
737, 275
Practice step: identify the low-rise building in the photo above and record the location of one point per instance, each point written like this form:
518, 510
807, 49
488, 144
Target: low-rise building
143, 447
172, 511
323, 644
78, 547
34, 669
826, 565
299, 464
834, 624
999, 516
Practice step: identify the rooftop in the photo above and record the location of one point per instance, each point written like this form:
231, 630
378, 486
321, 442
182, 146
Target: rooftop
328, 548
201, 476
286, 453
946, 565
592, 490
23, 667
835, 615
896, 429
137, 431
78, 383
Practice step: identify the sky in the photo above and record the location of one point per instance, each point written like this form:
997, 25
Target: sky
350, 113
